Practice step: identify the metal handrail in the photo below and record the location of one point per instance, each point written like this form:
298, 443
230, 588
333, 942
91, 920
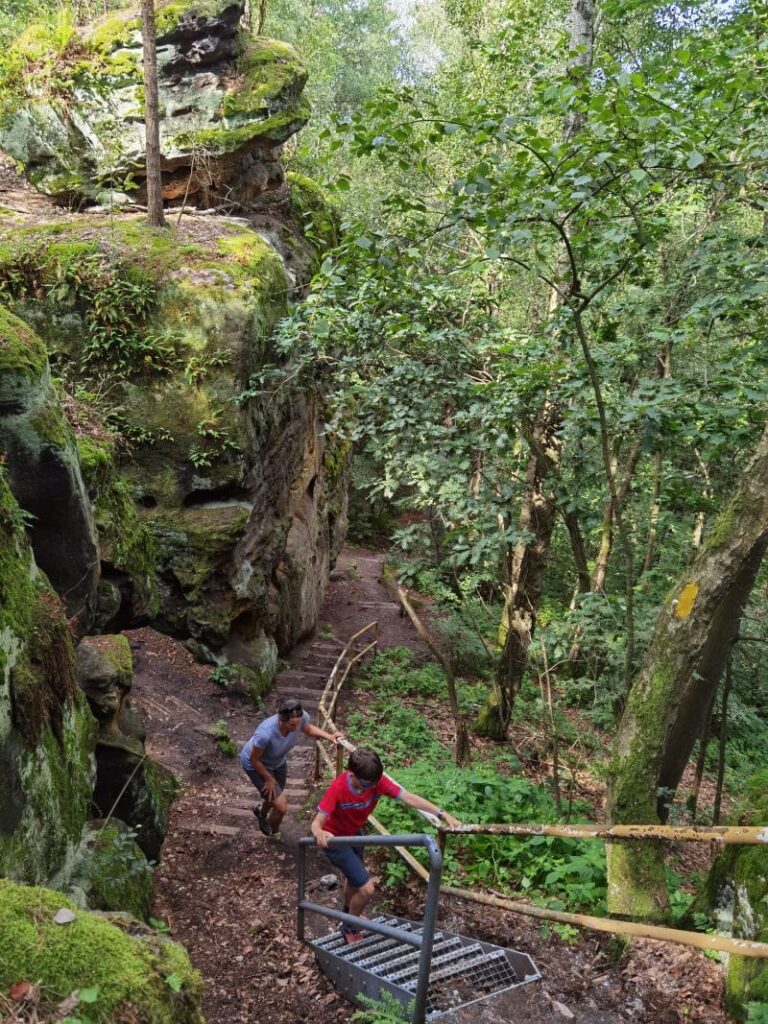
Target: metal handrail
423, 943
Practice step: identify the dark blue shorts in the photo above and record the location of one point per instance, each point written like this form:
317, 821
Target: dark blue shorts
279, 774
350, 860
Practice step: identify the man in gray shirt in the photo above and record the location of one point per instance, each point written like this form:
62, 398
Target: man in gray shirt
264, 758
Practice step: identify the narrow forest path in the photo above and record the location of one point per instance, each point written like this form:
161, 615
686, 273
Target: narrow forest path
228, 893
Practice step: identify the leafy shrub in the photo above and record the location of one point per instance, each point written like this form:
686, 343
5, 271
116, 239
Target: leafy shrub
393, 673
399, 731
556, 872
220, 732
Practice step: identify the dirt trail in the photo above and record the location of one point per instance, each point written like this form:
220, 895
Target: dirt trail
228, 893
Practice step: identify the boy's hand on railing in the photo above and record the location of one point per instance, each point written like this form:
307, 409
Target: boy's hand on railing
322, 837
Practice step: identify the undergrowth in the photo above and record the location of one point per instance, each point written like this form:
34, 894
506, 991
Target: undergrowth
552, 871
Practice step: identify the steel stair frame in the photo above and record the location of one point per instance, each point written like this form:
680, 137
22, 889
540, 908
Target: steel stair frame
410, 960
422, 942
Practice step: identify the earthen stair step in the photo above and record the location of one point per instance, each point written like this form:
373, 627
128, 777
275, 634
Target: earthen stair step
209, 827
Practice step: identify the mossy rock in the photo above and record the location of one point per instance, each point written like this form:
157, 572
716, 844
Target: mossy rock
22, 352
130, 971
747, 979
112, 870
74, 103
47, 734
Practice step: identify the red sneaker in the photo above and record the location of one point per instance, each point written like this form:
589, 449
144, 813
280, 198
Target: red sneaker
351, 936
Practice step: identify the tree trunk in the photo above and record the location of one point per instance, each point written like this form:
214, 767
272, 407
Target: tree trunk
527, 562
653, 523
723, 742
579, 550
155, 216
524, 577
672, 691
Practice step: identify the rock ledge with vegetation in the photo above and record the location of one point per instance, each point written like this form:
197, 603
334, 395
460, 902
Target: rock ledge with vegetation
74, 110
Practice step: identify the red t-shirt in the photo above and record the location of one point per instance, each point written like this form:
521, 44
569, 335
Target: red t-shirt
348, 810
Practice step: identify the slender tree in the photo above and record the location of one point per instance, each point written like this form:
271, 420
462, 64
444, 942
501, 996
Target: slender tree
155, 216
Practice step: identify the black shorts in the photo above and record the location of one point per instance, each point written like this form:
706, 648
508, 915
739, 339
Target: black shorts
280, 776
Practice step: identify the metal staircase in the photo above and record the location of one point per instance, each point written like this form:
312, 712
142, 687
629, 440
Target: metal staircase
461, 971
434, 971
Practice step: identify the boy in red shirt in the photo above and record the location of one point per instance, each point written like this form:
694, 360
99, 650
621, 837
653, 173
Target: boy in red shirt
343, 811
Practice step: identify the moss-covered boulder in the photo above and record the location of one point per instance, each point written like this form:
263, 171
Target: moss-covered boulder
128, 785
134, 973
74, 106
238, 489
111, 871
43, 468
104, 672
47, 734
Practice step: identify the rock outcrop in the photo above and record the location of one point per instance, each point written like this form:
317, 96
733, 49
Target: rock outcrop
47, 734
129, 785
219, 506
228, 102
44, 469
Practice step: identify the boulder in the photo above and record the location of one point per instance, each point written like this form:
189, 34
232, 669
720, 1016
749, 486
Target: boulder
46, 938
129, 786
227, 103
104, 671
43, 468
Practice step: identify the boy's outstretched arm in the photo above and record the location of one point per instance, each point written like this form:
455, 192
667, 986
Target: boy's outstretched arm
420, 804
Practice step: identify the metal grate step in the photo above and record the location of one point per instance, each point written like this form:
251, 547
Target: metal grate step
462, 971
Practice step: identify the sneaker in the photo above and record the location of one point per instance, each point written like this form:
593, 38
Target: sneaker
264, 825
350, 935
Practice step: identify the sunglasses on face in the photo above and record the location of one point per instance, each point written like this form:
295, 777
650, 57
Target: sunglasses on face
365, 783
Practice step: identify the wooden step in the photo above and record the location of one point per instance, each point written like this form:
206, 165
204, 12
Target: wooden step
209, 827
237, 812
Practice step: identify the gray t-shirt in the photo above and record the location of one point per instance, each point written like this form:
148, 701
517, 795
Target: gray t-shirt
273, 743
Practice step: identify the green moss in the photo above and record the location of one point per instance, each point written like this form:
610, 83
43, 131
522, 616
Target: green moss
119, 875
126, 542
114, 32
21, 351
276, 128
636, 881
51, 425
163, 787
92, 952
747, 977
117, 650
335, 460
97, 459
311, 209
722, 530
269, 70
633, 773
